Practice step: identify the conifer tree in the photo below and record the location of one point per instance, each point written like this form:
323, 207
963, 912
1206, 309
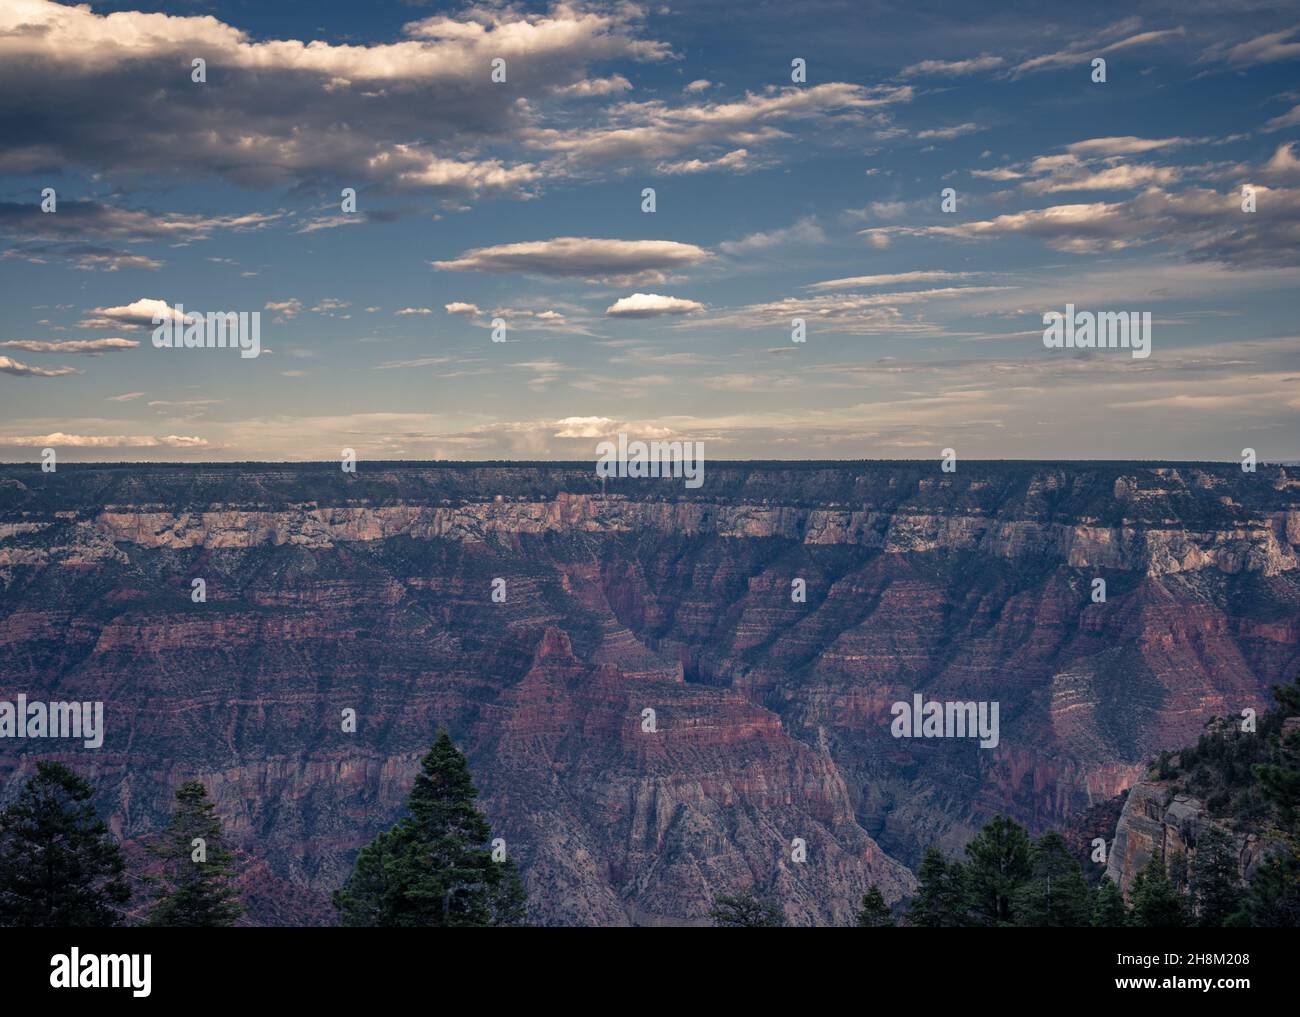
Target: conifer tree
1215, 883
195, 886
745, 911
875, 913
1056, 894
1156, 903
1108, 908
59, 867
434, 868
940, 892
997, 865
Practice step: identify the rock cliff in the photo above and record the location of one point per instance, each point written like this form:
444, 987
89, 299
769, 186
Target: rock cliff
328, 592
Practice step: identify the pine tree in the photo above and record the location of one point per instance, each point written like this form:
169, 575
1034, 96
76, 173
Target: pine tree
433, 868
875, 913
195, 888
59, 867
1056, 894
997, 865
1156, 904
1108, 908
1178, 874
1215, 884
745, 911
940, 892
1274, 898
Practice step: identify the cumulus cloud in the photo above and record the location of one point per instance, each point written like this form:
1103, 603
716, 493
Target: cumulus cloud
292, 112
582, 258
136, 314
651, 305
463, 309
585, 427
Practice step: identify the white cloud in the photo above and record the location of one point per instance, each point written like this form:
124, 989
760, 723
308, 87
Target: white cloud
892, 279
10, 366
582, 258
953, 68
90, 347
59, 439
650, 305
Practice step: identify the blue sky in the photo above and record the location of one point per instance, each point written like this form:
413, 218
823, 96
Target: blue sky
775, 199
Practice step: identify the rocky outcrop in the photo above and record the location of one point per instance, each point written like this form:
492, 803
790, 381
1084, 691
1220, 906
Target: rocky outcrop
1157, 819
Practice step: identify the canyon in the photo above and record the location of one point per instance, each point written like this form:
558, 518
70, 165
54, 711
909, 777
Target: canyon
328, 591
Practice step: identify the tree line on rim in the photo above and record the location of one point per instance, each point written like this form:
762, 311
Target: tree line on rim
1248, 778
60, 867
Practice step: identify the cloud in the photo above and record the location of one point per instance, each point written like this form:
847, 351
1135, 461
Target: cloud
125, 397
1266, 49
1125, 177
136, 314
657, 132
585, 427
463, 309
594, 87
805, 231
581, 258
296, 113
90, 347
891, 279
1125, 145
1082, 52
1202, 223
11, 366
1290, 119
58, 439
284, 310
843, 313
698, 85
737, 160
651, 305
953, 68
91, 234
406, 312
944, 133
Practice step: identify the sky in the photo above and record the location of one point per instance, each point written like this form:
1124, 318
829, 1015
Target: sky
523, 201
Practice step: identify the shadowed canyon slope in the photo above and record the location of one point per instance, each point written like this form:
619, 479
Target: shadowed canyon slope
372, 592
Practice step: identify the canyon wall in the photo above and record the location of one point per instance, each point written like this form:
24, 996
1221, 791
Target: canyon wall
329, 592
